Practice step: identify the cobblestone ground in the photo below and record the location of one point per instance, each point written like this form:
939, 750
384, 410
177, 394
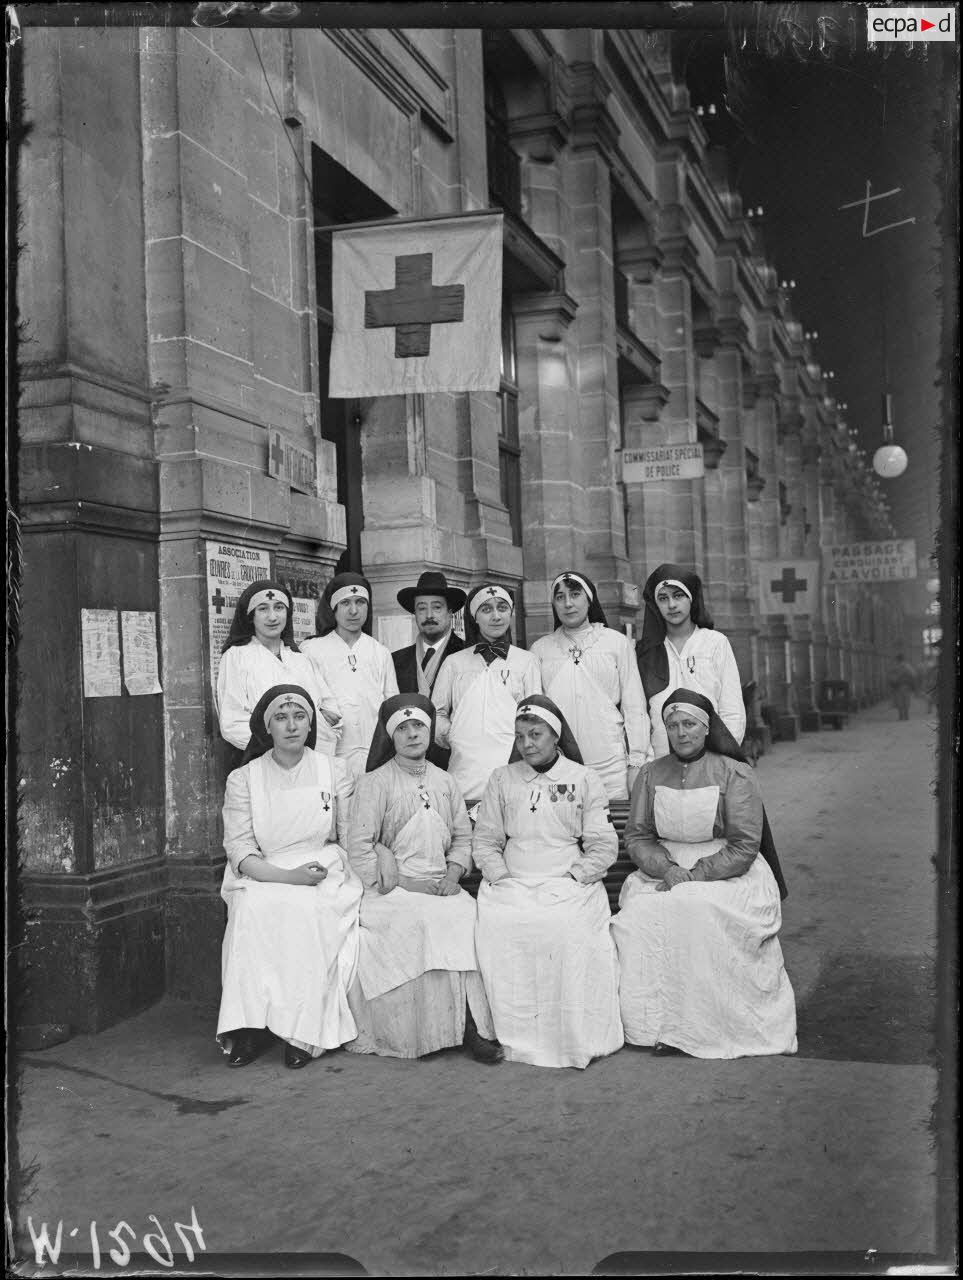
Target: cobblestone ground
446, 1167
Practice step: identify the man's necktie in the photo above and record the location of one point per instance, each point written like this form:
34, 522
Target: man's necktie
429, 654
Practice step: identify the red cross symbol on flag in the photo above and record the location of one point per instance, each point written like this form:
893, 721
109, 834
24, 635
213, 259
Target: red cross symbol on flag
417, 306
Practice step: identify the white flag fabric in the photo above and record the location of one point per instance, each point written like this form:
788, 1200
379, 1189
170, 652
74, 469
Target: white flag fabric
417, 307
788, 586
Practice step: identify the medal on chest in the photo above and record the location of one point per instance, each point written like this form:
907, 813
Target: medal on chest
326, 801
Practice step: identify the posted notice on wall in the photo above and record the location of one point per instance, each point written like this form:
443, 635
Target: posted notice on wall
891, 560
668, 462
230, 569
305, 612
100, 644
138, 628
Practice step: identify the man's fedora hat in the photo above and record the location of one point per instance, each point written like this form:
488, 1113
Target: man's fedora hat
431, 583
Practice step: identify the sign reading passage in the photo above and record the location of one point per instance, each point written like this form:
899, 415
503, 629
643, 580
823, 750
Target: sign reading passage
668, 462
891, 561
230, 568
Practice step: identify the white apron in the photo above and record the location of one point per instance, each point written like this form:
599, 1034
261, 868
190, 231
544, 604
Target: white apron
701, 965
360, 699
543, 943
290, 951
482, 730
596, 722
403, 934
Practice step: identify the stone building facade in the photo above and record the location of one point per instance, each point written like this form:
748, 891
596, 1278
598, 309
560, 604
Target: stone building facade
174, 291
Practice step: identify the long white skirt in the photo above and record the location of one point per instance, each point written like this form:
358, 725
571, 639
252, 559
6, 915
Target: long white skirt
288, 957
550, 970
421, 1016
702, 968
416, 969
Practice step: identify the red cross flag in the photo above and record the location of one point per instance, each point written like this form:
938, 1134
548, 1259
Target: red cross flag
788, 586
417, 306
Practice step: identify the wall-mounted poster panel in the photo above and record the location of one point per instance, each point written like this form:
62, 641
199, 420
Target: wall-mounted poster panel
230, 569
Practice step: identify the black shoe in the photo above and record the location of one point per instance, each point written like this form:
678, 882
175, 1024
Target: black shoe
483, 1050
665, 1050
247, 1045
295, 1058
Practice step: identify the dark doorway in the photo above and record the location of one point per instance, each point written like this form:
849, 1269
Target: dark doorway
338, 198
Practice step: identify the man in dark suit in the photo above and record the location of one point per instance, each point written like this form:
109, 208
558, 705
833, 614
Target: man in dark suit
432, 602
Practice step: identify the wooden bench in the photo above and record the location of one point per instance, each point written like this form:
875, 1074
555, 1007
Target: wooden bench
614, 877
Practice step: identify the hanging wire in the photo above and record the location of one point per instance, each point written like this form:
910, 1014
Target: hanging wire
277, 108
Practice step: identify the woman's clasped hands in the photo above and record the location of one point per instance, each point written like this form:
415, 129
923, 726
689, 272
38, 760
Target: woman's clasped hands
674, 876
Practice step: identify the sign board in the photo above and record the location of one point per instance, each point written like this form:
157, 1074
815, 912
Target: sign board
291, 462
667, 462
893, 560
305, 612
230, 569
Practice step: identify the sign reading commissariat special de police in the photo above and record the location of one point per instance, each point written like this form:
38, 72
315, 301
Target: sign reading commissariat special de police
889, 560
666, 462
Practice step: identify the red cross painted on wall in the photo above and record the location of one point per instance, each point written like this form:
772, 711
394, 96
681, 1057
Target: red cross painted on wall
789, 586
277, 454
413, 305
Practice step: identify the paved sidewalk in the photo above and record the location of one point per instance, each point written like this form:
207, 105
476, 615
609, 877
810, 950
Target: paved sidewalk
447, 1167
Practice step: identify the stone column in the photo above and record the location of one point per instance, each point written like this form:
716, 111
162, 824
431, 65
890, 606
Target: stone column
88, 757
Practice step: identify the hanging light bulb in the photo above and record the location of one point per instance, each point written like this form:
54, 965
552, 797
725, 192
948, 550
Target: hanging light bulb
889, 460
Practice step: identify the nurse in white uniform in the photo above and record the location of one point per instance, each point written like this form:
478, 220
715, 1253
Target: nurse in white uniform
543, 843
679, 648
356, 667
291, 945
260, 652
478, 689
590, 671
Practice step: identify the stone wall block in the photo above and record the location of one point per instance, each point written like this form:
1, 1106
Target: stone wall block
277, 354
183, 625
103, 222
208, 92
180, 485
270, 499
193, 821
261, 156
270, 252
217, 303
161, 178
215, 205
317, 520
165, 274
230, 437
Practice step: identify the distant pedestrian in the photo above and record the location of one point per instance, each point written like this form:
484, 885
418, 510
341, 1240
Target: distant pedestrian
902, 683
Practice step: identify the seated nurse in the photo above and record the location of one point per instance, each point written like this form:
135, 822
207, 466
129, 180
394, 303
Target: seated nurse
291, 943
544, 841
418, 987
697, 931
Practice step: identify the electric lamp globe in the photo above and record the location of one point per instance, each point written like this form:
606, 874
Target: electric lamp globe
890, 461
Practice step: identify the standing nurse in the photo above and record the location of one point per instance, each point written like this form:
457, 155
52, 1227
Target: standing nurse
589, 670
357, 667
680, 649
477, 691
